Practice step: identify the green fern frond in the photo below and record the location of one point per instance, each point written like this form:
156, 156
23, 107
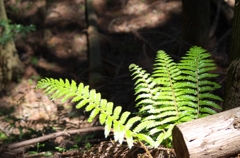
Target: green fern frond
142, 125
176, 93
108, 115
157, 93
195, 69
145, 87
165, 70
164, 135
148, 139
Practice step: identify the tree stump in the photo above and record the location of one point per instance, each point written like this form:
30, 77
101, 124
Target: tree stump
213, 136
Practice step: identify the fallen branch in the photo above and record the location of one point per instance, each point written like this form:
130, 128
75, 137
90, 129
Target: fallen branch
29, 142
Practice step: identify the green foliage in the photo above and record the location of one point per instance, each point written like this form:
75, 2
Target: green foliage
60, 149
9, 31
2, 136
173, 94
113, 118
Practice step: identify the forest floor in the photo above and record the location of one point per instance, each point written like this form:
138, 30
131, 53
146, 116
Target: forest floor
130, 31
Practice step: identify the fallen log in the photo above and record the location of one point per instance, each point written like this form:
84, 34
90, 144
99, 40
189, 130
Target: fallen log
19, 147
213, 136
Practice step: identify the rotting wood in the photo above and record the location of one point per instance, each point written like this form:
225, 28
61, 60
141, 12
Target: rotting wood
213, 136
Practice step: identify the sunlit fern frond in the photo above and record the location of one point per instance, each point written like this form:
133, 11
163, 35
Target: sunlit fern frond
155, 95
175, 93
145, 87
196, 67
113, 118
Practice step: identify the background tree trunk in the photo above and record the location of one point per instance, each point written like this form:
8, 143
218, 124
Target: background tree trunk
196, 22
10, 65
95, 60
232, 96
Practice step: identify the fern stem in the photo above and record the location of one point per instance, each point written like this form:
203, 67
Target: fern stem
198, 90
146, 149
172, 87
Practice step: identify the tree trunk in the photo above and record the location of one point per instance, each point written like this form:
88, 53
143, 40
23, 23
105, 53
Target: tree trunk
232, 98
213, 136
10, 65
196, 22
95, 61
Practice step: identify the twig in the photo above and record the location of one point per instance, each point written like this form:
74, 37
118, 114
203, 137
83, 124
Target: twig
139, 36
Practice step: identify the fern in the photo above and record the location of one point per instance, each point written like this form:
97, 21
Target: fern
113, 118
195, 69
172, 94
175, 93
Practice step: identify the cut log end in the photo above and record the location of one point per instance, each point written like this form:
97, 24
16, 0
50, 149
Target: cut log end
213, 136
179, 143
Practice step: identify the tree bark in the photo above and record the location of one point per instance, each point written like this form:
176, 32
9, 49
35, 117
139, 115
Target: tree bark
95, 60
213, 136
10, 65
232, 97
196, 22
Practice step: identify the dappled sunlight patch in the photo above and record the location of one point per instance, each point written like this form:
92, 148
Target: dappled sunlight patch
29, 103
64, 12
148, 16
26, 8
65, 45
49, 66
28, 108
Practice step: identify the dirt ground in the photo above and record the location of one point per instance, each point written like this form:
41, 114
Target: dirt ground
130, 31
